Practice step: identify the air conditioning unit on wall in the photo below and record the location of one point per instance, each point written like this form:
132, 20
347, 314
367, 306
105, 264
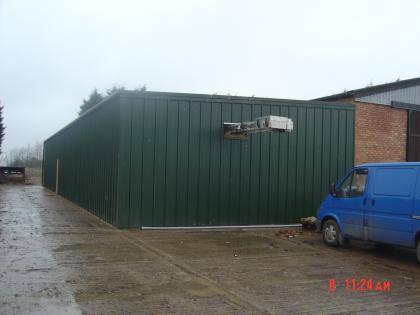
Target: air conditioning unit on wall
261, 124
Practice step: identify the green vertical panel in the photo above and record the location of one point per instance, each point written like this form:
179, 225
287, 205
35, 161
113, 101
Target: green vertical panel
148, 177
235, 170
183, 164
326, 153
91, 185
283, 173
194, 163
83, 170
79, 174
204, 171
90, 189
301, 157
245, 170
264, 171
137, 140
255, 164
334, 145
224, 171
215, 157
112, 172
292, 167
317, 156
101, 194
273, 183
171, 163
160, 163
309, 162
123, 165
96, 165
341, 157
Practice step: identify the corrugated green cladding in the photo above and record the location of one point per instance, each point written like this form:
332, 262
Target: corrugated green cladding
160, 159
87, 151
180, 171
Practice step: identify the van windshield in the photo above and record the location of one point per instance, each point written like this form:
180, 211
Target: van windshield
354, 185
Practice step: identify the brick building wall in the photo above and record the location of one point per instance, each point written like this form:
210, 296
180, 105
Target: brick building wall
380, 133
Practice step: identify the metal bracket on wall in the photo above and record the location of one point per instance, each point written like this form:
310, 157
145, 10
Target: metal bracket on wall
270, 123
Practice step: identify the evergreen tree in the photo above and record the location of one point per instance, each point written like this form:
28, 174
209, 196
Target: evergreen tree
114, 90
94, 98
143, 88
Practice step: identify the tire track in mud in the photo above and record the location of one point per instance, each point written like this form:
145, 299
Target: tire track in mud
197, 277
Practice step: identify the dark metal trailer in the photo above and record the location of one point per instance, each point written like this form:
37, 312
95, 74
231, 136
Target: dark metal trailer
12, 174
152, 159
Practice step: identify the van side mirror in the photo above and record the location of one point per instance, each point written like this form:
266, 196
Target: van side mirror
333, 192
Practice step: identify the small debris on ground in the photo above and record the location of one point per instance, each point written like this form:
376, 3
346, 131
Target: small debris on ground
288, 233
309, 222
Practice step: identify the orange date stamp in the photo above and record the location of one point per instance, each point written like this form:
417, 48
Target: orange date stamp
360, 285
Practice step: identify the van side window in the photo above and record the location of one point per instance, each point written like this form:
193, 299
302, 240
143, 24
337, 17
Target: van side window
354, 185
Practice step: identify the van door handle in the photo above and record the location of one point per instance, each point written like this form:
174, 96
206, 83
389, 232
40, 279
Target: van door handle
373, 202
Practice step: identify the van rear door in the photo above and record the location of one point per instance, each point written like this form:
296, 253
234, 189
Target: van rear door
391, 201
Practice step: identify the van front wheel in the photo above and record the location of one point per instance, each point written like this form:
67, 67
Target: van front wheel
331, 233
418, 251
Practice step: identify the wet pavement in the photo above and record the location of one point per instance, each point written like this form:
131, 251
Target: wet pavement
56, 258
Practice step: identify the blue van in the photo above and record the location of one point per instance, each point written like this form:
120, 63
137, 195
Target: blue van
376, 202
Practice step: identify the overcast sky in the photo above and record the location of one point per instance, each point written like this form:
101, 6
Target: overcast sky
53, 53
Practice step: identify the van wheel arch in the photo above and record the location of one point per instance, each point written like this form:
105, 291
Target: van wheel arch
417, 238
344, 242
418, 246
325, 219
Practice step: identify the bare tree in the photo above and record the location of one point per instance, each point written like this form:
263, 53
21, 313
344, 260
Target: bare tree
29, 156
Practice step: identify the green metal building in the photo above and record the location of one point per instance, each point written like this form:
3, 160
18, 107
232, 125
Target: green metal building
151, 159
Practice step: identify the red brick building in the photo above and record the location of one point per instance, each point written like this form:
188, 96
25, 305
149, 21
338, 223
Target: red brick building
387, 121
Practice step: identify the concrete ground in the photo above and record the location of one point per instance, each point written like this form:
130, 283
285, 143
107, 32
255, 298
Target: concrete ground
57, 258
